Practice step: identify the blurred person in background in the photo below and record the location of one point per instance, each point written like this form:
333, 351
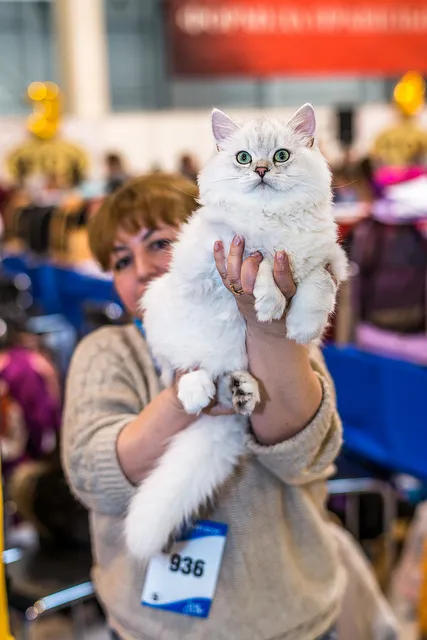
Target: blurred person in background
30, 383
344, 185
188, 167
13, 437
280, 575
42, 497
365, 177
353, 181
115, 172
30, 409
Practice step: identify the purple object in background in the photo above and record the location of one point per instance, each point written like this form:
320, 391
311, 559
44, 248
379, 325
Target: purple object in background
32, 384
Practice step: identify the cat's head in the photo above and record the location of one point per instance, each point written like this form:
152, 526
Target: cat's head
265, 162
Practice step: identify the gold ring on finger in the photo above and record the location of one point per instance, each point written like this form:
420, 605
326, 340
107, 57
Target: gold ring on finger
237, 292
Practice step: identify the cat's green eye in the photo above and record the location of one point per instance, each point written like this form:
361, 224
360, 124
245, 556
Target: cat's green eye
243, 157
281, 155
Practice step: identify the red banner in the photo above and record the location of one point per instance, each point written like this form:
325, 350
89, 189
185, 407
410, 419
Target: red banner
261, 38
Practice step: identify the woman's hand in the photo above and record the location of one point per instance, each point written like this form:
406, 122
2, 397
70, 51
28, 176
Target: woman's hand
240, 275
291, 391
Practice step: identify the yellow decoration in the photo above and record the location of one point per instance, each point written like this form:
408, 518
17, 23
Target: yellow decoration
45, 154
409, 93
4, 617
401, 145
48, 157
52, 91
405, 143
37, 91
46, 100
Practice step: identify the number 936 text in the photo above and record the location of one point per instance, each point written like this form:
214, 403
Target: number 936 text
187, 565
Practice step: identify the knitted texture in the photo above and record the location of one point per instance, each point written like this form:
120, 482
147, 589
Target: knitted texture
280, 577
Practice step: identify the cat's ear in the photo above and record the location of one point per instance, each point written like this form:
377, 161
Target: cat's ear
304, 122
223, 126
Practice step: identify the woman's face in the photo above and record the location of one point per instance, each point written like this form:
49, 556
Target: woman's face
137, 259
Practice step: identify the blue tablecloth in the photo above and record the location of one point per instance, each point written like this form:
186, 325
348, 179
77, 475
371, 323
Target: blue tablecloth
61, 290
383, 406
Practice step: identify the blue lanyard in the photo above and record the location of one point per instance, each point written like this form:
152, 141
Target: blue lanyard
138, 324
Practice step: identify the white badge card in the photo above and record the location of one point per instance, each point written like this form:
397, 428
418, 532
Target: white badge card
184, 580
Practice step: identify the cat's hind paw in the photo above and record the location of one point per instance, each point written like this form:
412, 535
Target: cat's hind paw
195, 391
244, 392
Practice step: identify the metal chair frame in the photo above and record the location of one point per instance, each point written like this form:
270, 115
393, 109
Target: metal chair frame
353, 488
74, 597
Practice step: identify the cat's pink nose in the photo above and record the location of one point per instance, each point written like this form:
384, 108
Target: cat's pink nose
261, 171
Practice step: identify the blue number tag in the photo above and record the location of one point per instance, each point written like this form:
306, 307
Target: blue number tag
184, 580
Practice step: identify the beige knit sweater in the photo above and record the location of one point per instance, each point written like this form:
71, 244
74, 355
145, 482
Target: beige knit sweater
280, 578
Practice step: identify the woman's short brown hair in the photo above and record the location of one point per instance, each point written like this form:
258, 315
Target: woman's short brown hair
140, 202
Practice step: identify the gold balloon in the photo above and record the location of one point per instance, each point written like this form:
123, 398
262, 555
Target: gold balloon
52, 91
409, 93
45, 153
405, 142
46, 100
37, 91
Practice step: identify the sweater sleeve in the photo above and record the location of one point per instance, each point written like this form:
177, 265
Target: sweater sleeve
101, 398
309, 455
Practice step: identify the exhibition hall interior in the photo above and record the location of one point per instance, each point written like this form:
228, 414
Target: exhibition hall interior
252, 173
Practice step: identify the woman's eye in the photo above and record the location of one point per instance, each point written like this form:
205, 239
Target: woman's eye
160, 245
122, 263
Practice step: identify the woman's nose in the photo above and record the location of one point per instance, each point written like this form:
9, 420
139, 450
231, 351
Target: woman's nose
143, 266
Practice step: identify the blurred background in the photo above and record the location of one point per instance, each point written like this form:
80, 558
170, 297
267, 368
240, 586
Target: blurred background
93, 92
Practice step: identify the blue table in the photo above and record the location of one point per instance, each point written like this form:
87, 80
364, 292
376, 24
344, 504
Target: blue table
61, 290
383, 406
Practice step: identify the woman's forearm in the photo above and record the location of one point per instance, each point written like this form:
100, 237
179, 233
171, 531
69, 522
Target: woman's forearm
290, 390
291, 394
141, 442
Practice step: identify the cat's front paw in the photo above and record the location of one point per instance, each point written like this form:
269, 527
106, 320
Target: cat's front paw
305, 327
270, 303
244, 392
195, 391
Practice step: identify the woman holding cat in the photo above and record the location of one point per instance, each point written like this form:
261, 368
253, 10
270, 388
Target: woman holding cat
280, 576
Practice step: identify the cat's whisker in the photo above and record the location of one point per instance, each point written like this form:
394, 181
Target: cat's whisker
224, 179
185, 192
303, 184
348, 184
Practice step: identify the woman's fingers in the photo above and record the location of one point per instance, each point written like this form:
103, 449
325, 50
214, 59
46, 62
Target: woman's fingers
234, 263
283, 275
240, 275
219, 410
220, 261
250, 271
229, 268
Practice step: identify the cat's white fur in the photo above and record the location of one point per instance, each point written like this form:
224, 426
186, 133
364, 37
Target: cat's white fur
193, 323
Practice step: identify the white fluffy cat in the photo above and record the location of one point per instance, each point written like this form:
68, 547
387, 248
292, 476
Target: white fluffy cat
270, 184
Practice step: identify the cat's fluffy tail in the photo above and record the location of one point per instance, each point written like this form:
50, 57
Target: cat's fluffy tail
196, 462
